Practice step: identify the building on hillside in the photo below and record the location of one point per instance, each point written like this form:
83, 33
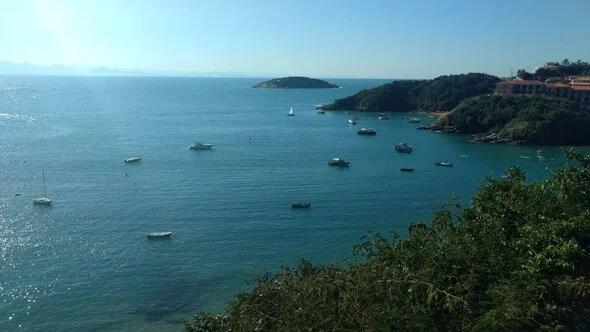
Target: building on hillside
551, 65
578, 90
518, 87
580, 80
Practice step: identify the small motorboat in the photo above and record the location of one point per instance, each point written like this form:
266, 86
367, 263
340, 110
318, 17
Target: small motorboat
132, 160
354, 117
158, 235
414, 120
321, 112
403, 148
17, 195
291, 113
444, 164
352, 122
200, 146
367, 132
384, 117
339, 162
406, 169
300, 205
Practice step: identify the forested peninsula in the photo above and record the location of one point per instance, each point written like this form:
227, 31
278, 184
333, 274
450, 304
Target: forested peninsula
440, 94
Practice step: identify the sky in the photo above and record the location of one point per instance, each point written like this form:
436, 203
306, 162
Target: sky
319, 38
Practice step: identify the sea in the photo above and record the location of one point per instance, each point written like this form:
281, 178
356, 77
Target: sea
85, 263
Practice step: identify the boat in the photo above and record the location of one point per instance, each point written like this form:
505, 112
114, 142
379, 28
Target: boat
443, 164
158, 235
43, 200
414, 120
403, 148
321, 112
338, 162
300, 205
200, 146
367, 132
406, 169
383, 117
354, 117
132, 160
291, 113
352, 122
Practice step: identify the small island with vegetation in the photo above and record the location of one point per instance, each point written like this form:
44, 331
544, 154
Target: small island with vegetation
296, 82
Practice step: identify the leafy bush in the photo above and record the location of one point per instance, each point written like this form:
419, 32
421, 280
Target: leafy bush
517, 259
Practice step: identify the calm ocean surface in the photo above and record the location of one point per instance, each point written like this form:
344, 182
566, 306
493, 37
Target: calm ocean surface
85, 263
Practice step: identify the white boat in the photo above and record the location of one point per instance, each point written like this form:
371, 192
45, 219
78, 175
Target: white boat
414, 120
158, 235
132, 160
443, 164
43, 200
291, 113
383, 117
352, 122
321, 112
200, 146
338, 162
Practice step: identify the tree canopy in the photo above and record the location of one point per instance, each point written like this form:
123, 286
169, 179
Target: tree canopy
562, 70
517, 259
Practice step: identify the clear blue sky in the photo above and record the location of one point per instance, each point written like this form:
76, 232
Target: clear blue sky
340, 38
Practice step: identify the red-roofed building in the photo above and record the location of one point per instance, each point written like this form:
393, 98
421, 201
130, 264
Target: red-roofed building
517, 87
577, 91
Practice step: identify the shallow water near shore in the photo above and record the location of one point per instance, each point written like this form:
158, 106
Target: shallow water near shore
85, 262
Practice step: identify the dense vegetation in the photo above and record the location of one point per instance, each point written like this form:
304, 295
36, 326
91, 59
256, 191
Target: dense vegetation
522, 119
296, 82
516, 260
440, 94
565, 69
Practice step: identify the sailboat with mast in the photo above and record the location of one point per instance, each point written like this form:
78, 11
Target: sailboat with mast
43, 200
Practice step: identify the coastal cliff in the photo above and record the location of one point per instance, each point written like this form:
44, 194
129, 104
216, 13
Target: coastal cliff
296, 82
440, 94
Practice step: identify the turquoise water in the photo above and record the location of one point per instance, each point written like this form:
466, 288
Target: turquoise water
85, 263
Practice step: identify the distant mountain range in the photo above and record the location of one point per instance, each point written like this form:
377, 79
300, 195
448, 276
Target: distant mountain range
12, 68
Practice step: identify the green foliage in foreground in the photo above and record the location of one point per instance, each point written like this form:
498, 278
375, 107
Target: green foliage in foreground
522, 119
440, 94
516, 260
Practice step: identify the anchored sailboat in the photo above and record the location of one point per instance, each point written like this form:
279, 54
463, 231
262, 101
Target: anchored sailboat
42, 200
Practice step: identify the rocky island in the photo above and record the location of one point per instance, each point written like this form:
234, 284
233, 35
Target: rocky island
296, 82
440, 94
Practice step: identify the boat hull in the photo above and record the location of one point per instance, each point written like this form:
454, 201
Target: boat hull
42, 201
300, 205
158, 235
